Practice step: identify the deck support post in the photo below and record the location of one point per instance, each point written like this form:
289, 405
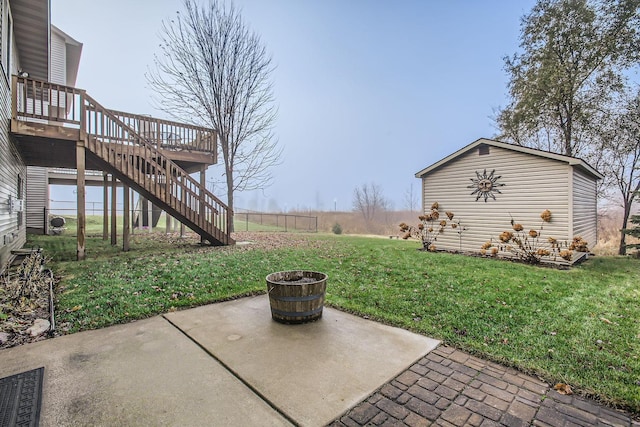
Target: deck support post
80, 184
150, 215
114, 211
202, 213
167, 220
125, 220
133, 213
105, 206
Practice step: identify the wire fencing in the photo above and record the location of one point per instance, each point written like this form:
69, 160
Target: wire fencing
244, 220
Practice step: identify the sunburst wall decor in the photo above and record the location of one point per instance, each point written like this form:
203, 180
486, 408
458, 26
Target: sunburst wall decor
485, 185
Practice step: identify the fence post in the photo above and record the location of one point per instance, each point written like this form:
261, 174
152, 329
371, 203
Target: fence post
45, 219
247, 221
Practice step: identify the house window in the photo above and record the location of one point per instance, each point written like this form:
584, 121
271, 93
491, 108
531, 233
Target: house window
483, 150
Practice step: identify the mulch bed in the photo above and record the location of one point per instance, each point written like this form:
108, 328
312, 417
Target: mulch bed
24, 297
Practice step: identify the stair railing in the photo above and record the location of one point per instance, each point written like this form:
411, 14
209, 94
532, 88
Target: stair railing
132, 154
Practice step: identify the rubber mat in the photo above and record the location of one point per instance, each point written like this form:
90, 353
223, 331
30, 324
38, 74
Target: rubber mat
20, 398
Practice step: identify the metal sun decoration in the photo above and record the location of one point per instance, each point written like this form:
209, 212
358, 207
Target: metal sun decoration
485, 185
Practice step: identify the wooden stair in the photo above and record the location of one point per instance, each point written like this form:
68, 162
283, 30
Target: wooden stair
134, 160
135, 149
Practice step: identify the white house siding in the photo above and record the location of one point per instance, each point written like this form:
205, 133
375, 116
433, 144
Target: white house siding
585, 207
58, 62
37, 199
531, 185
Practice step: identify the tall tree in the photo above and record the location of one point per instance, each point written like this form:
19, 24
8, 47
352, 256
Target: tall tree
410, 199
369, 200
573, 53
620, 140
215, 71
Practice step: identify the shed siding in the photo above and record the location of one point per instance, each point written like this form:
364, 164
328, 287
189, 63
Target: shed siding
37, 197
531, 185
585, 215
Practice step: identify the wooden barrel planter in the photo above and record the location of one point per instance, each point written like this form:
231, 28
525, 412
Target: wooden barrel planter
296, 296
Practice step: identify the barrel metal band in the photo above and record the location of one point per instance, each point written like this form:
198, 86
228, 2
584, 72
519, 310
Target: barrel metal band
297, 313
294, 299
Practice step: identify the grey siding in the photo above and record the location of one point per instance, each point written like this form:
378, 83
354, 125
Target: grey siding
531, 185
37, 178
585, 215
12, 227
37, 198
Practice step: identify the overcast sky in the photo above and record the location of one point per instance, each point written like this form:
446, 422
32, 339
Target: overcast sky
368, 91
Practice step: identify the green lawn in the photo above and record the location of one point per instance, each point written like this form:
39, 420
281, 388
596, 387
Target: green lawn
578, 326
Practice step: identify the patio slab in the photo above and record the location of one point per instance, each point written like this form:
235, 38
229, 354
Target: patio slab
311, 372
144, 373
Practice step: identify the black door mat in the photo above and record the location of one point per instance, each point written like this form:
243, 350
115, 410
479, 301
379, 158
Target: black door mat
20, 398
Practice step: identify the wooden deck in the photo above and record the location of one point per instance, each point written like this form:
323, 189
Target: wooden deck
61, 126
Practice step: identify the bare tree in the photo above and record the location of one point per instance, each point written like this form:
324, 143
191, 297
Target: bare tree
370, 202
410, 199
214, 71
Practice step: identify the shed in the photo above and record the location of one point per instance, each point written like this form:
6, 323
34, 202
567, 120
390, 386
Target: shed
488, 183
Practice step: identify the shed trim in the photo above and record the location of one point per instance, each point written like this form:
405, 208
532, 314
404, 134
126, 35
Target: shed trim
571, 203
572, 161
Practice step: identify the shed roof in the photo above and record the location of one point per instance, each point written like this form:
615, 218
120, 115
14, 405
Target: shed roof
572, 161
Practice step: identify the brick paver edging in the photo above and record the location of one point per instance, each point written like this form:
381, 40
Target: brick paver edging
448, 387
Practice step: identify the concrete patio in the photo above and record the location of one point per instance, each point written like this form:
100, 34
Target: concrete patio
229, 364
222, 364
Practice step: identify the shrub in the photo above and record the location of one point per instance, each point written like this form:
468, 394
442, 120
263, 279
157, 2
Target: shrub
337, 228
530, 247
429, 228
634, 232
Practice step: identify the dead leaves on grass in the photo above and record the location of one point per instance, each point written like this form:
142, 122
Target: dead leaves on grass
563, 388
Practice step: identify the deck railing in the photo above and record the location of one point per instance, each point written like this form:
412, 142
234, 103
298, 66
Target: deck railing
170, 135
120, 141
39, 100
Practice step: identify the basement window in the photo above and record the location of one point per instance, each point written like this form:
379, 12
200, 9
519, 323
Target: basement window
483, 150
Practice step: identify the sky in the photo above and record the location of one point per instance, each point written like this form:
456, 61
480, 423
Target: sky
367, 91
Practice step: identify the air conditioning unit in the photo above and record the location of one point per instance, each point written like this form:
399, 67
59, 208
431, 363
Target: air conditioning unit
15, 205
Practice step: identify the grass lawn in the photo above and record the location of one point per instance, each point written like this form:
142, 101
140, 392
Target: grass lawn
578, 326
